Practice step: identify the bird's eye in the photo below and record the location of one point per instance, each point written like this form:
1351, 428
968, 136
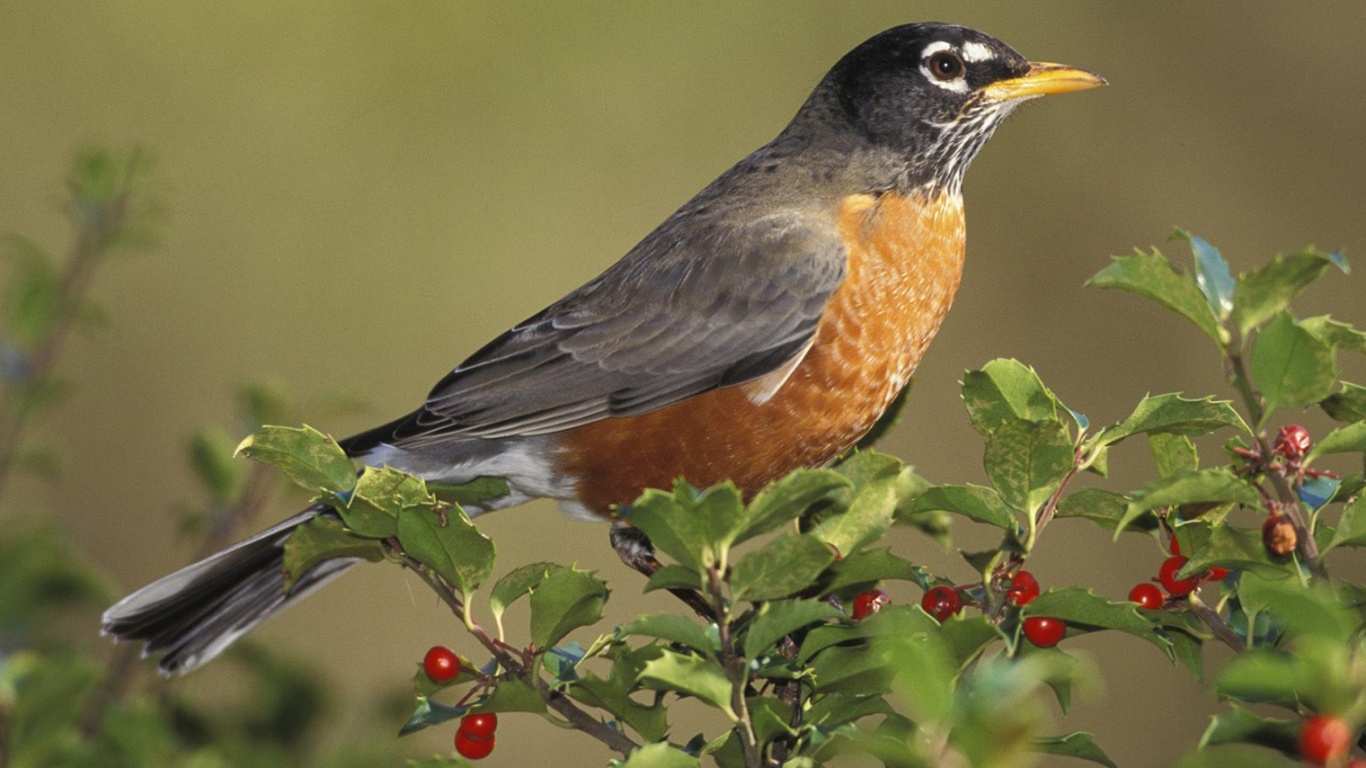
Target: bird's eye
945, 65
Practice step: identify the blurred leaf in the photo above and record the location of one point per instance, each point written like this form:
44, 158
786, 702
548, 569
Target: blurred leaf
1266, 291
1083, 609
967, 637
787, 499
476, 493
428, 713
1080, 745
1241, 726
1027, 461
39, 460
324, 538
975, 502
1242, 756
449, 544
41, 574
1263, 675
211, 456
660, 755
1173, 414
778, 619
859, 669
867, 567
1348, 439
1335, 334
566, 600
1291, 367
37, 396
263, 403
868, 516
1351, 530
1202, 485
784, 566
1173, 453
1211, 274
835, 709
1348, 404
692, 676
924, 671
516, 583
672, 627
32, 298
1007, 390
310, 458
1150, 276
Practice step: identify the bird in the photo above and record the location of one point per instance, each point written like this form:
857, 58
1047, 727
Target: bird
764, 326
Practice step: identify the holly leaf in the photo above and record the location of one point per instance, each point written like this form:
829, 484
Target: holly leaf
516, 583
566, 600
966, 637
1267, 676
1211, 274
1173, 453
449, 544
778, 619
1102, 507
381, 494
1084, 610
1348, 404
1173, 414
1152, 277
1222, 545
784, 566
1266, 291
427, 713
787, 499
1241, 755
1007, 390
1348, 439
673, 628
474, 494
1336, 334
1027, 461
691, 676
1080, 745
867, 567
1199, 486
1238, 726
975, 502
665, 518
307, 456
323, 538
868, 516
674, 576
660, 755
1291, 366
1351, 530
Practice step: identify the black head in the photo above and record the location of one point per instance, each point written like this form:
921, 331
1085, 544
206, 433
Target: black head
933, 94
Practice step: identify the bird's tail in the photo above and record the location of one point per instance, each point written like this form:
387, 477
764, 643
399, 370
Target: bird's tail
192, 615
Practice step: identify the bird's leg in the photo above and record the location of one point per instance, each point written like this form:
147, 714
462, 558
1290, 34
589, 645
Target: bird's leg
635, 550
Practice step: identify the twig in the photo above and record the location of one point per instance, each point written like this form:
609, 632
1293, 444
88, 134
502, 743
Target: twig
1216, 624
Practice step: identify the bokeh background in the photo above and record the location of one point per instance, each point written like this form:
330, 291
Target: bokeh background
362, 193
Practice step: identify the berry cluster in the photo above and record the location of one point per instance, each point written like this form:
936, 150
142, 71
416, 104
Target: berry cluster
1150, 598
475, 738
944, 601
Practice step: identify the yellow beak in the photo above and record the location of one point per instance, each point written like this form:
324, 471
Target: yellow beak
1043, 79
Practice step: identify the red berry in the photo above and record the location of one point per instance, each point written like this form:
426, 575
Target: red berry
1148, 596
1023, 588
1167, 575
471, 748
1325, 739
1218, 574
1176, 546
1279, 536
479, 726
870, 602
1293, 441
941, 602
1044, 632
441, 664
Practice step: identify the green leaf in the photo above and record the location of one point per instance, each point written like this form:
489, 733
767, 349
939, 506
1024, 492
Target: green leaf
674, 628
1241, 726
1150, 276
1223, 545
1335, 334
868, 516
381, 495
1242, 756
323, 538
1348, 404
307, 456
835, 709
1291, 367
779, 619
1085, 610
784, 566
1263, 675
975, 502
211, 456
449, 544
1211, 274
967, 637
1348, 439
33, 298
867, 567
1199, 486
566, 600
514, 695
1080, 745
1173, 414
1265, 292
866, 466
428, 713
674, 576
660, 755
474, 494
1173, 453
787, 499
1102, 507
613, 694
1351, 530
689, 675
1007, 390
666, 518
516, 583
1027, 461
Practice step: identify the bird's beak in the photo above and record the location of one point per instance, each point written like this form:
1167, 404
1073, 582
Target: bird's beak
1043, 79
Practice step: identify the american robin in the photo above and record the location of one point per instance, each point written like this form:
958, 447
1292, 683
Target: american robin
764, 326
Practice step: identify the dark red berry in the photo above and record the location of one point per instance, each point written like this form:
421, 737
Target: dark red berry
870, 602
471, 748
1148, 596
1167, 575
479, 726
441, 664
941, 602
1279, 536
1325, 739
1044, 632
1218, 574
1293, 441
1023, 588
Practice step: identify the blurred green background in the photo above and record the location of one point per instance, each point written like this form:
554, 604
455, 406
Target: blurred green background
363, 193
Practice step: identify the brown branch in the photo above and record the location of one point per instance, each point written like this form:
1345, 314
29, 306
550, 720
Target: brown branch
1216, 624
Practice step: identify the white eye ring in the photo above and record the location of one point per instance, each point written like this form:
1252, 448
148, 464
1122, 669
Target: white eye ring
942, 64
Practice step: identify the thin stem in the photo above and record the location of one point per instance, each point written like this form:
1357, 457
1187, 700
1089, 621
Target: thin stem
737, 671
1216, 624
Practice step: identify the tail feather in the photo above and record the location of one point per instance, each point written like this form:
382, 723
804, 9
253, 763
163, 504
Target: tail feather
192, 615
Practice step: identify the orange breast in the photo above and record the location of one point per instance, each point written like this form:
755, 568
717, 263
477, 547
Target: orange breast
905, 261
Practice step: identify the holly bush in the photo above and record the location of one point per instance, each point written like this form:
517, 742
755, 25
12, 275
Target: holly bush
785, 634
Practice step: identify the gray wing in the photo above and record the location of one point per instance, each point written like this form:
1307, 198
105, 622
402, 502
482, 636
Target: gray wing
690, 309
